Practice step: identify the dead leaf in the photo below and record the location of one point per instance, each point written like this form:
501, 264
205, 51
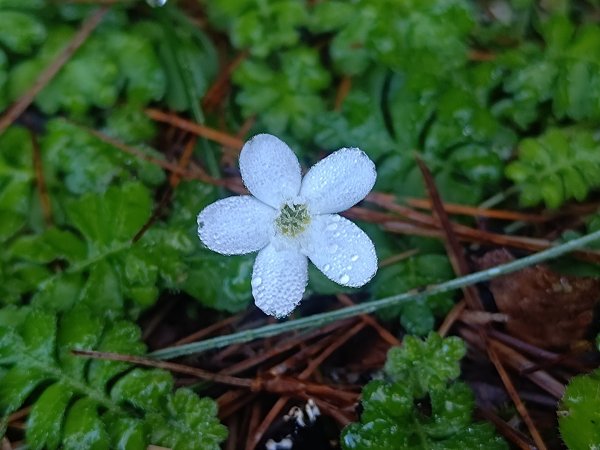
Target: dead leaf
545, 308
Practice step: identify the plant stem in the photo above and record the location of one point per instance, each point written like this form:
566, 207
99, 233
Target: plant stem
369, 307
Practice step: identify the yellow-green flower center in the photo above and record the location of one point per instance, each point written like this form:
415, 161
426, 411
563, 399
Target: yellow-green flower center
293, 219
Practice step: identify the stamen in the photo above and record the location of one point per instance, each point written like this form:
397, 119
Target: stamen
293, 219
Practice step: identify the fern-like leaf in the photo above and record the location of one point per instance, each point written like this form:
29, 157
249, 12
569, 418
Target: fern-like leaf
558, 166
76, 403
420, 373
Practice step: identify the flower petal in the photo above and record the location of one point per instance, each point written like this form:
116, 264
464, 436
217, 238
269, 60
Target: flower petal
341, 250
236, 225
278, 280
270, 169
339, 181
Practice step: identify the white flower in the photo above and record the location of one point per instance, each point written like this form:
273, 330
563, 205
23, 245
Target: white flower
290, 220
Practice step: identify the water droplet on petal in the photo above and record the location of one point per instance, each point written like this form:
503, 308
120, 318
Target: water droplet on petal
156, 3
256, 282
349, 267
344, 278
327, 268
332, 227
332, 248
335, 218
354, 258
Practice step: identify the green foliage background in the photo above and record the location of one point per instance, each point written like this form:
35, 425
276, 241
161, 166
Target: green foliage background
497, 97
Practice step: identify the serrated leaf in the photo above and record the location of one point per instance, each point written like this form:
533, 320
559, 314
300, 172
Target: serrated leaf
127, 433
144, 389
38, 334
120, 337
20, 31
417, 271
192, 414
113, 217
425, 364
78, 329
287, 94
83, 427
45, 420
17, 384
579, 412
555, 167
77, 389
434, 412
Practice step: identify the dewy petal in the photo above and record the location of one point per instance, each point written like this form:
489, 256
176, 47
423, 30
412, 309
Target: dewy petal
236, 225
278, 280
270, 169
339, 181
341, 250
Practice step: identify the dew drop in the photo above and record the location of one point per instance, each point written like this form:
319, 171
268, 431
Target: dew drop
335, 218
327, 268
256, 282
344, 278
156, 3
354, 258
349, 267
332, 227
332, 248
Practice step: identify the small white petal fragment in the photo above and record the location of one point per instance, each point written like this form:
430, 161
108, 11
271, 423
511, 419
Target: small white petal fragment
270, 170
278, 280
344, 253
339, 181
236, 225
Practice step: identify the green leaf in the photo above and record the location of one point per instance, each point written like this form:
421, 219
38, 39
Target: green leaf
218, 281
16, 181
420, 406
191, 423
72, 156
418, 271
20, 31
17, 384
100, 404
127, 433
144, 389
120, 337
78, 329
424, 365
45, 420
139, 66
579, 412
288, 94
113, 217
83, 427
262, 27
555, 167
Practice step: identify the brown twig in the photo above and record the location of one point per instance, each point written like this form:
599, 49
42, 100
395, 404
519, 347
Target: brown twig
40, 181
174, 367
383, 333
342, 92
399, 257
207, 331
50, 72
200, 130
452, 317
514, 436
514, 395
453, 248
466, 210
217, 90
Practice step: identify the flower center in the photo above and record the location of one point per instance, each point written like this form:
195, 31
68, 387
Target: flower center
293, 219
